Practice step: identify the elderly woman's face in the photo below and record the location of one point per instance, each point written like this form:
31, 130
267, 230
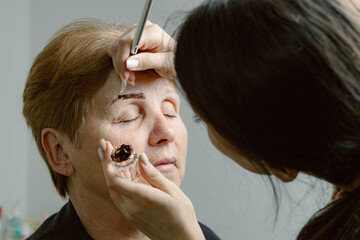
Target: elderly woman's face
151, 125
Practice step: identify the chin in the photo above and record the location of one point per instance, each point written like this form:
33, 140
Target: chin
175, 178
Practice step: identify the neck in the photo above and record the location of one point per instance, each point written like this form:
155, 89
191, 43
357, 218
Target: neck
101, 218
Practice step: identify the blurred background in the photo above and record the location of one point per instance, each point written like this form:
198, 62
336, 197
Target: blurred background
236, 204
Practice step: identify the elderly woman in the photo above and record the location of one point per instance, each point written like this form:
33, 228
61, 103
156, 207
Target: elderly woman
69, 105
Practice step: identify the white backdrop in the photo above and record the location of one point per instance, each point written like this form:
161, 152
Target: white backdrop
234, 203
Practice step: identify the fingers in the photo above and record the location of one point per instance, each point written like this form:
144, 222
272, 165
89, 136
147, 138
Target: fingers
114, 179
117, 198
118, 183
145, 60
105, 156
154, 177
154, 40
162, 63
119, 52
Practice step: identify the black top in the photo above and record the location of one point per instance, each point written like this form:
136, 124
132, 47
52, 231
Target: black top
66, 225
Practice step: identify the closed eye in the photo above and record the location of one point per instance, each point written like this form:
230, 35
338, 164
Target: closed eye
170, 115
126, 120
168, 109
131, 120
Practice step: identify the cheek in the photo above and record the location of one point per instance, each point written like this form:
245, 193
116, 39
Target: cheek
89, 143
181, 144
182, 136
132, 136
87, 164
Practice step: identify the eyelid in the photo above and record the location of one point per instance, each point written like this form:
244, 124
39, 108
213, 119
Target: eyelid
121, 120
131, 120
170, 111
127, 115
175, 102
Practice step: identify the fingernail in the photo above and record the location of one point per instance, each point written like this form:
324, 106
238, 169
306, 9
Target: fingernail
125, 75
132, 83
144, 159
101, 154
132, 63
103, 144
132, 79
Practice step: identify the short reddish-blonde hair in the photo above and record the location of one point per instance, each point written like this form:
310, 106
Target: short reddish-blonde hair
63, 80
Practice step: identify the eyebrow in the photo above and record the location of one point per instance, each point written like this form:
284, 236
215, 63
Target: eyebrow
131, 96
127, 96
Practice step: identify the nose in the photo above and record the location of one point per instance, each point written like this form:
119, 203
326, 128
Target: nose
162, 133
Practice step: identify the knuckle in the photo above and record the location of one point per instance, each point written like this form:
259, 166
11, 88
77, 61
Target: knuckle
146, 61
154, 176
156, 26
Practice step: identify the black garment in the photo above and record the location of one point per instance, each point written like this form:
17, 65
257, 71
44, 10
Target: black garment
66, 225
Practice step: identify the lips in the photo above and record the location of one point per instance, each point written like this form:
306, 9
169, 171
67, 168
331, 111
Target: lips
165, 162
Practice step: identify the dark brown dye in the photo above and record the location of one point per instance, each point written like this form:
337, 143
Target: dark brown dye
122, 153
131, 95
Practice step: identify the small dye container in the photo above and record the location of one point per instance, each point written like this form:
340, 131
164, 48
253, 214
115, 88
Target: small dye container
124, 160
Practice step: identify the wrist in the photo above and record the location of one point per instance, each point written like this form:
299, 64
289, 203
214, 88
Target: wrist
192, 232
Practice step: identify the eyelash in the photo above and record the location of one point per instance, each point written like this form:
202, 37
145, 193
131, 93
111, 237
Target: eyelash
117, 120
131, 120
170, 116
127, 121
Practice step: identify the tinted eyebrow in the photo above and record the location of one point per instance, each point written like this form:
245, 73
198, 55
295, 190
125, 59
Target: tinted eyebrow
131, 96
139, 95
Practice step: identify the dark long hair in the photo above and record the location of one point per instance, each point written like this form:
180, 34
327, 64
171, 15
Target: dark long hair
280, 81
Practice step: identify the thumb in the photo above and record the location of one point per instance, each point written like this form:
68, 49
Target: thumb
163, 63
154, 177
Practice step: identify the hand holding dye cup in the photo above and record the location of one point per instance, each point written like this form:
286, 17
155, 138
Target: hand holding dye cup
151, 203
124, 160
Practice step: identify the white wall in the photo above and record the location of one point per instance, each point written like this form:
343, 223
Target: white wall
234, 203
14, 64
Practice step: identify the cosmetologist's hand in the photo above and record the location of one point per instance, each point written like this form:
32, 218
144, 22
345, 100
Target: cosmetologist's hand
159, 209
156, 51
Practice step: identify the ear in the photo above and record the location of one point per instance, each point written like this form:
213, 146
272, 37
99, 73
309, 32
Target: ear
53, 143
283, 173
